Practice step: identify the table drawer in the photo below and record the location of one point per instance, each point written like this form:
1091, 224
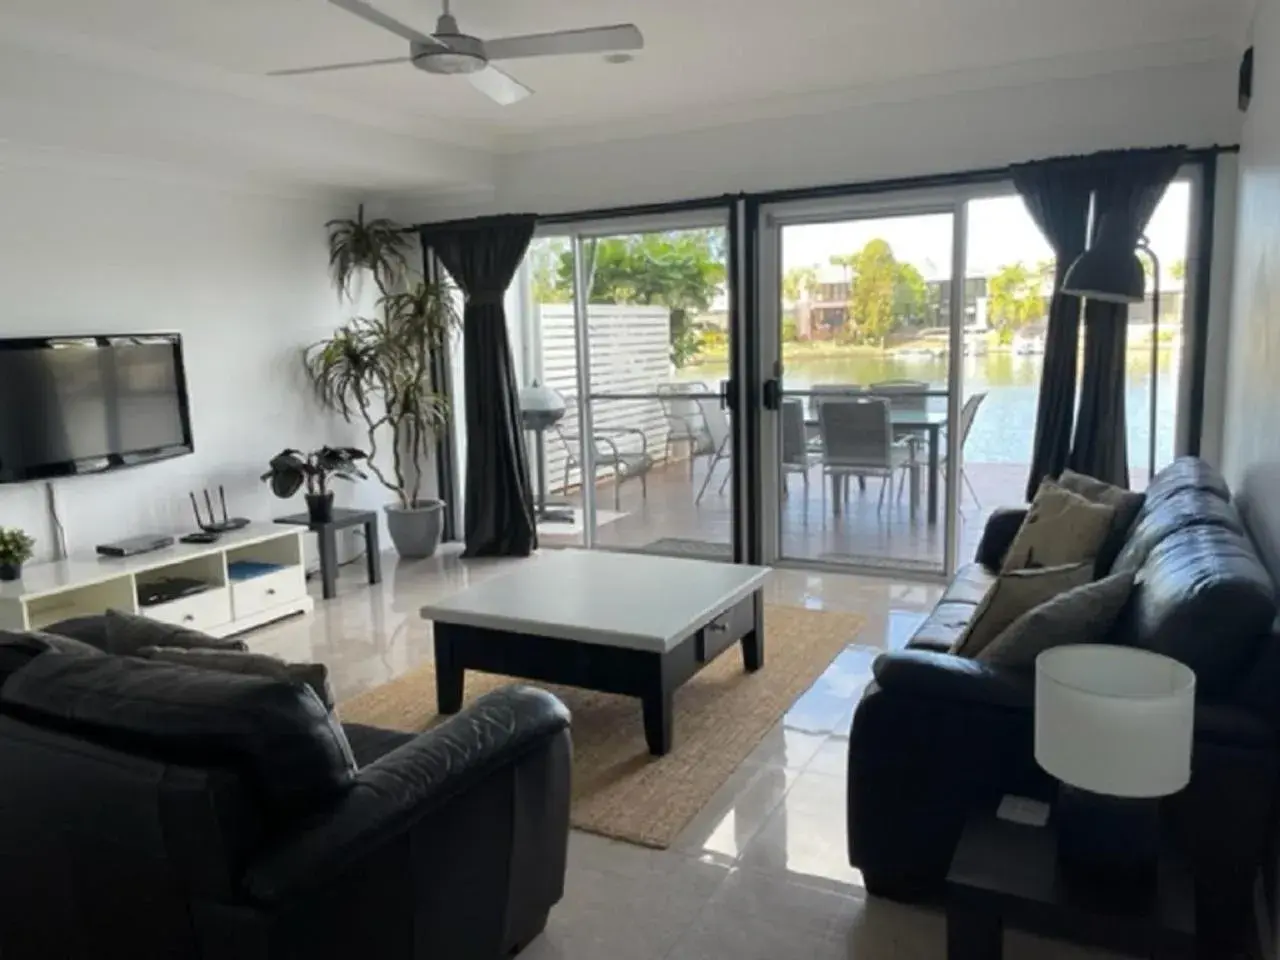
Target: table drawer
726, 629
199, 612
269, 590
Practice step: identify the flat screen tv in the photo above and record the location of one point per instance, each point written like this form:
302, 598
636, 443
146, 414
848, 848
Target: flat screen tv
72, 405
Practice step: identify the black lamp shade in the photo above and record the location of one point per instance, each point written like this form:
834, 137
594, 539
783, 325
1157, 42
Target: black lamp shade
1109, 270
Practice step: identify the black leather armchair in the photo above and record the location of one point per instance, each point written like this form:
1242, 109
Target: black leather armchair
937, 738
117, 843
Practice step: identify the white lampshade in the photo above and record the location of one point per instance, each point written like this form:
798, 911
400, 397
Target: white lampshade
538, 398
1114, 720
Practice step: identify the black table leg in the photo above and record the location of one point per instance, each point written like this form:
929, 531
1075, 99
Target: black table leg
449, 675
933, 474
753, 642
973, 935
328, 539
372, 551
657, 721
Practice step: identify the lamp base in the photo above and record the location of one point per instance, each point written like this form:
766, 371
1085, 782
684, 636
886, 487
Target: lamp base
1109, 844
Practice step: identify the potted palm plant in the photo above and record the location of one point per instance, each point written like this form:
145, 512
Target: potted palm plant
376, 371
16, 548
290, 469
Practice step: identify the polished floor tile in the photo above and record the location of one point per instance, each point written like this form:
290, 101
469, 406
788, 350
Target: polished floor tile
761, 871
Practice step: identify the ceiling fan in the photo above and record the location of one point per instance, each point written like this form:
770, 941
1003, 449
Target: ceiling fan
449, 51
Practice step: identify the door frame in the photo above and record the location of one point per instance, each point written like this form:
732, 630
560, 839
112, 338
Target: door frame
772, 219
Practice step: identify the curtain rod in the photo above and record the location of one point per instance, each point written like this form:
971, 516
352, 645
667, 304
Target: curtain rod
855, 188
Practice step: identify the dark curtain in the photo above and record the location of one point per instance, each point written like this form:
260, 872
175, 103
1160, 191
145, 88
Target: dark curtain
482, 256
1056, 193
1128, 186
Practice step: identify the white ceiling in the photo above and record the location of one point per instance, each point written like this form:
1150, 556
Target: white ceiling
178, 78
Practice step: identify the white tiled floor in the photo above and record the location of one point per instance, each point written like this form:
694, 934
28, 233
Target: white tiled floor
762, 871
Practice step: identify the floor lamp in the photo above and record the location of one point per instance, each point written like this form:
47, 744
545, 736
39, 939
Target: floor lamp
1111, 271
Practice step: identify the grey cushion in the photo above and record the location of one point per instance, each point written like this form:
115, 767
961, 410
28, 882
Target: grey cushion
1083, 614
1126, 504
314, 675
1013, 594
126, 634
17, 649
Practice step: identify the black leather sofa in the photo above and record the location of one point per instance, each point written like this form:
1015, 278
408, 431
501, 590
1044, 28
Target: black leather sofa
149, 810
937, 738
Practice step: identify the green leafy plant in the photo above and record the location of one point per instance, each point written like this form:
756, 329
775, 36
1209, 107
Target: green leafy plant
381, 247
290, 469
16, 546
376, 371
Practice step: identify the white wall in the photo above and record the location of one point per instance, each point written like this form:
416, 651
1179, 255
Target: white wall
898, 132
241, 276
1251, 446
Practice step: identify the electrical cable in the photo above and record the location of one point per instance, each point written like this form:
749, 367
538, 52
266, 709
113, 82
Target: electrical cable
60, 532
315, 571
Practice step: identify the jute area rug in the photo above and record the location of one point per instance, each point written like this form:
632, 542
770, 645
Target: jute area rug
619, 790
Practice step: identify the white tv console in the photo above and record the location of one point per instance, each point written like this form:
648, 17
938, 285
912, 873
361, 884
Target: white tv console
85, 585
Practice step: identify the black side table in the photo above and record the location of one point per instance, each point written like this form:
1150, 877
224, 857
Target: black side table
327, 534
1007, 873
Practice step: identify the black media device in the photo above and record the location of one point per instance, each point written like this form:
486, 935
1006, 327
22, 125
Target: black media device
215, 525
201, 537
169, 588
135, 545
73, 405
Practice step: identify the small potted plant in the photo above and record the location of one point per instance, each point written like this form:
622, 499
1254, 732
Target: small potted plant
16, 548
291, 469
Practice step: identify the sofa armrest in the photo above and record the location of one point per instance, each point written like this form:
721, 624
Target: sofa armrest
391, 796
943, 676
997, 536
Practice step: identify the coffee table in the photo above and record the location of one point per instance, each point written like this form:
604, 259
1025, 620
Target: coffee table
625, 623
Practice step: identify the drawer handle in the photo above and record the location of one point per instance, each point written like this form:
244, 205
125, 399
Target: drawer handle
716, 627
271, 591
189, 618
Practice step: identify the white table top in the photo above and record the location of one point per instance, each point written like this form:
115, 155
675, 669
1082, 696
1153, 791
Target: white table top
633, 600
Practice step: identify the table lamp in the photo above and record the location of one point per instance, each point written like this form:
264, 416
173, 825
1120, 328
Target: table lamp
1113, 726
542, 407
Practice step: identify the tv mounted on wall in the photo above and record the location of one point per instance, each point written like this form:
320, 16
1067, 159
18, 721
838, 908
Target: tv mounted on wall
73, 405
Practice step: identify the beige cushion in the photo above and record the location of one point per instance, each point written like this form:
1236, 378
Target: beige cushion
1061, 527
1083, 614
1012, 595
1126, 503
314, 675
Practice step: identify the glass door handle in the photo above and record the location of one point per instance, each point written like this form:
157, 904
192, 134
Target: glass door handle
772, 398
727, 395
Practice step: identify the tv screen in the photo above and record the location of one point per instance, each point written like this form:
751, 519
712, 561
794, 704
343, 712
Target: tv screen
75, 405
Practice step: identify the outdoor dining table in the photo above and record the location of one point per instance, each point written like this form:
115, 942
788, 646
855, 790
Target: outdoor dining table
930, 423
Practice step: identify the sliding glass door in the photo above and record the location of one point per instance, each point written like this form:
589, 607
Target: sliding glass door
863, 327
629, 323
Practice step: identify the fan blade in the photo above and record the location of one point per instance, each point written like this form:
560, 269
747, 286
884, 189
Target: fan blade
380, 19
299, 71
624, 36
498, 87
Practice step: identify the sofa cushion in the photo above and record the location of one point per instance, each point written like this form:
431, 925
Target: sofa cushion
1061, 528
1175, 511
126, 634
943, 627
276, 734
314, 675
1126, 504
369, 744
1203, 597
971, 584
1186, 473
1083, 614
17, 649
1012, 595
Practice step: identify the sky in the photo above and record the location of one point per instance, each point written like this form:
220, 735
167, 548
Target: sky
1000, 232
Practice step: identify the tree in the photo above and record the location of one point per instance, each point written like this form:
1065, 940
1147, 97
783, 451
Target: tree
884, 295
800, 283
1178, 269
544, 266
681, 270
1015, 298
